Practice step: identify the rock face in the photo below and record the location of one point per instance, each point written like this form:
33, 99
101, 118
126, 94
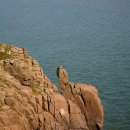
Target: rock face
29, 101
82, 99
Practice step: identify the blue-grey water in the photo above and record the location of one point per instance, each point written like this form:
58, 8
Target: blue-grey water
91, 38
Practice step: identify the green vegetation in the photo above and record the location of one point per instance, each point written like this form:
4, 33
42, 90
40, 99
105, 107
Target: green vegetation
3, 82
4, 51
35, 86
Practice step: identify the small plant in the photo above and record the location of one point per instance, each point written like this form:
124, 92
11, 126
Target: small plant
35, 87
4, 51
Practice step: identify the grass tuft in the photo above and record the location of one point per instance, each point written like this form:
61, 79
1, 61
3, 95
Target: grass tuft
4, 51
35, 87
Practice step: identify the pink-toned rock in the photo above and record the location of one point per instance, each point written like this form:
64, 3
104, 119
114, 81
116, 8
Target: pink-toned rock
85, 97
29, 101
77, 120
9, 101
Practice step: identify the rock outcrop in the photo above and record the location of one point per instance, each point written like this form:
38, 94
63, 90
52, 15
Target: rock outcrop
29, 101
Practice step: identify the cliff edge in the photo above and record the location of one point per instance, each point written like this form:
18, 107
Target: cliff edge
29, 101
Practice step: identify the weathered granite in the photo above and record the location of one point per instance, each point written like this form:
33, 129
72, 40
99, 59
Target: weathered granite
29, 101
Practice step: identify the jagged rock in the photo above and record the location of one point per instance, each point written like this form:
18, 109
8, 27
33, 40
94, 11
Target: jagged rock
29, 101
85, 97
77, 119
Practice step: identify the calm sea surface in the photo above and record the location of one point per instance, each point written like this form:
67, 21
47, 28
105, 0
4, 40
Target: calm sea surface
91, 38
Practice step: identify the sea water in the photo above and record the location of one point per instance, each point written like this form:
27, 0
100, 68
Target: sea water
90, 38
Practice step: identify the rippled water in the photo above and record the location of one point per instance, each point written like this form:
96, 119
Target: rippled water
91, 38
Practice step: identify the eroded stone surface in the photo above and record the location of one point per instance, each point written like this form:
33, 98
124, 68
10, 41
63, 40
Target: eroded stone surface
29, 101
86, 99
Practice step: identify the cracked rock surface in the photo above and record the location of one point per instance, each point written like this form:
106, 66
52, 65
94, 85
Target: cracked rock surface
29, 101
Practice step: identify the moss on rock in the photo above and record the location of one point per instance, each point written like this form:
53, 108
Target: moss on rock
35, 86
5, 51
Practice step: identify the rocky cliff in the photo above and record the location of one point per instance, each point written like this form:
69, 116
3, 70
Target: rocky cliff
29, 101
